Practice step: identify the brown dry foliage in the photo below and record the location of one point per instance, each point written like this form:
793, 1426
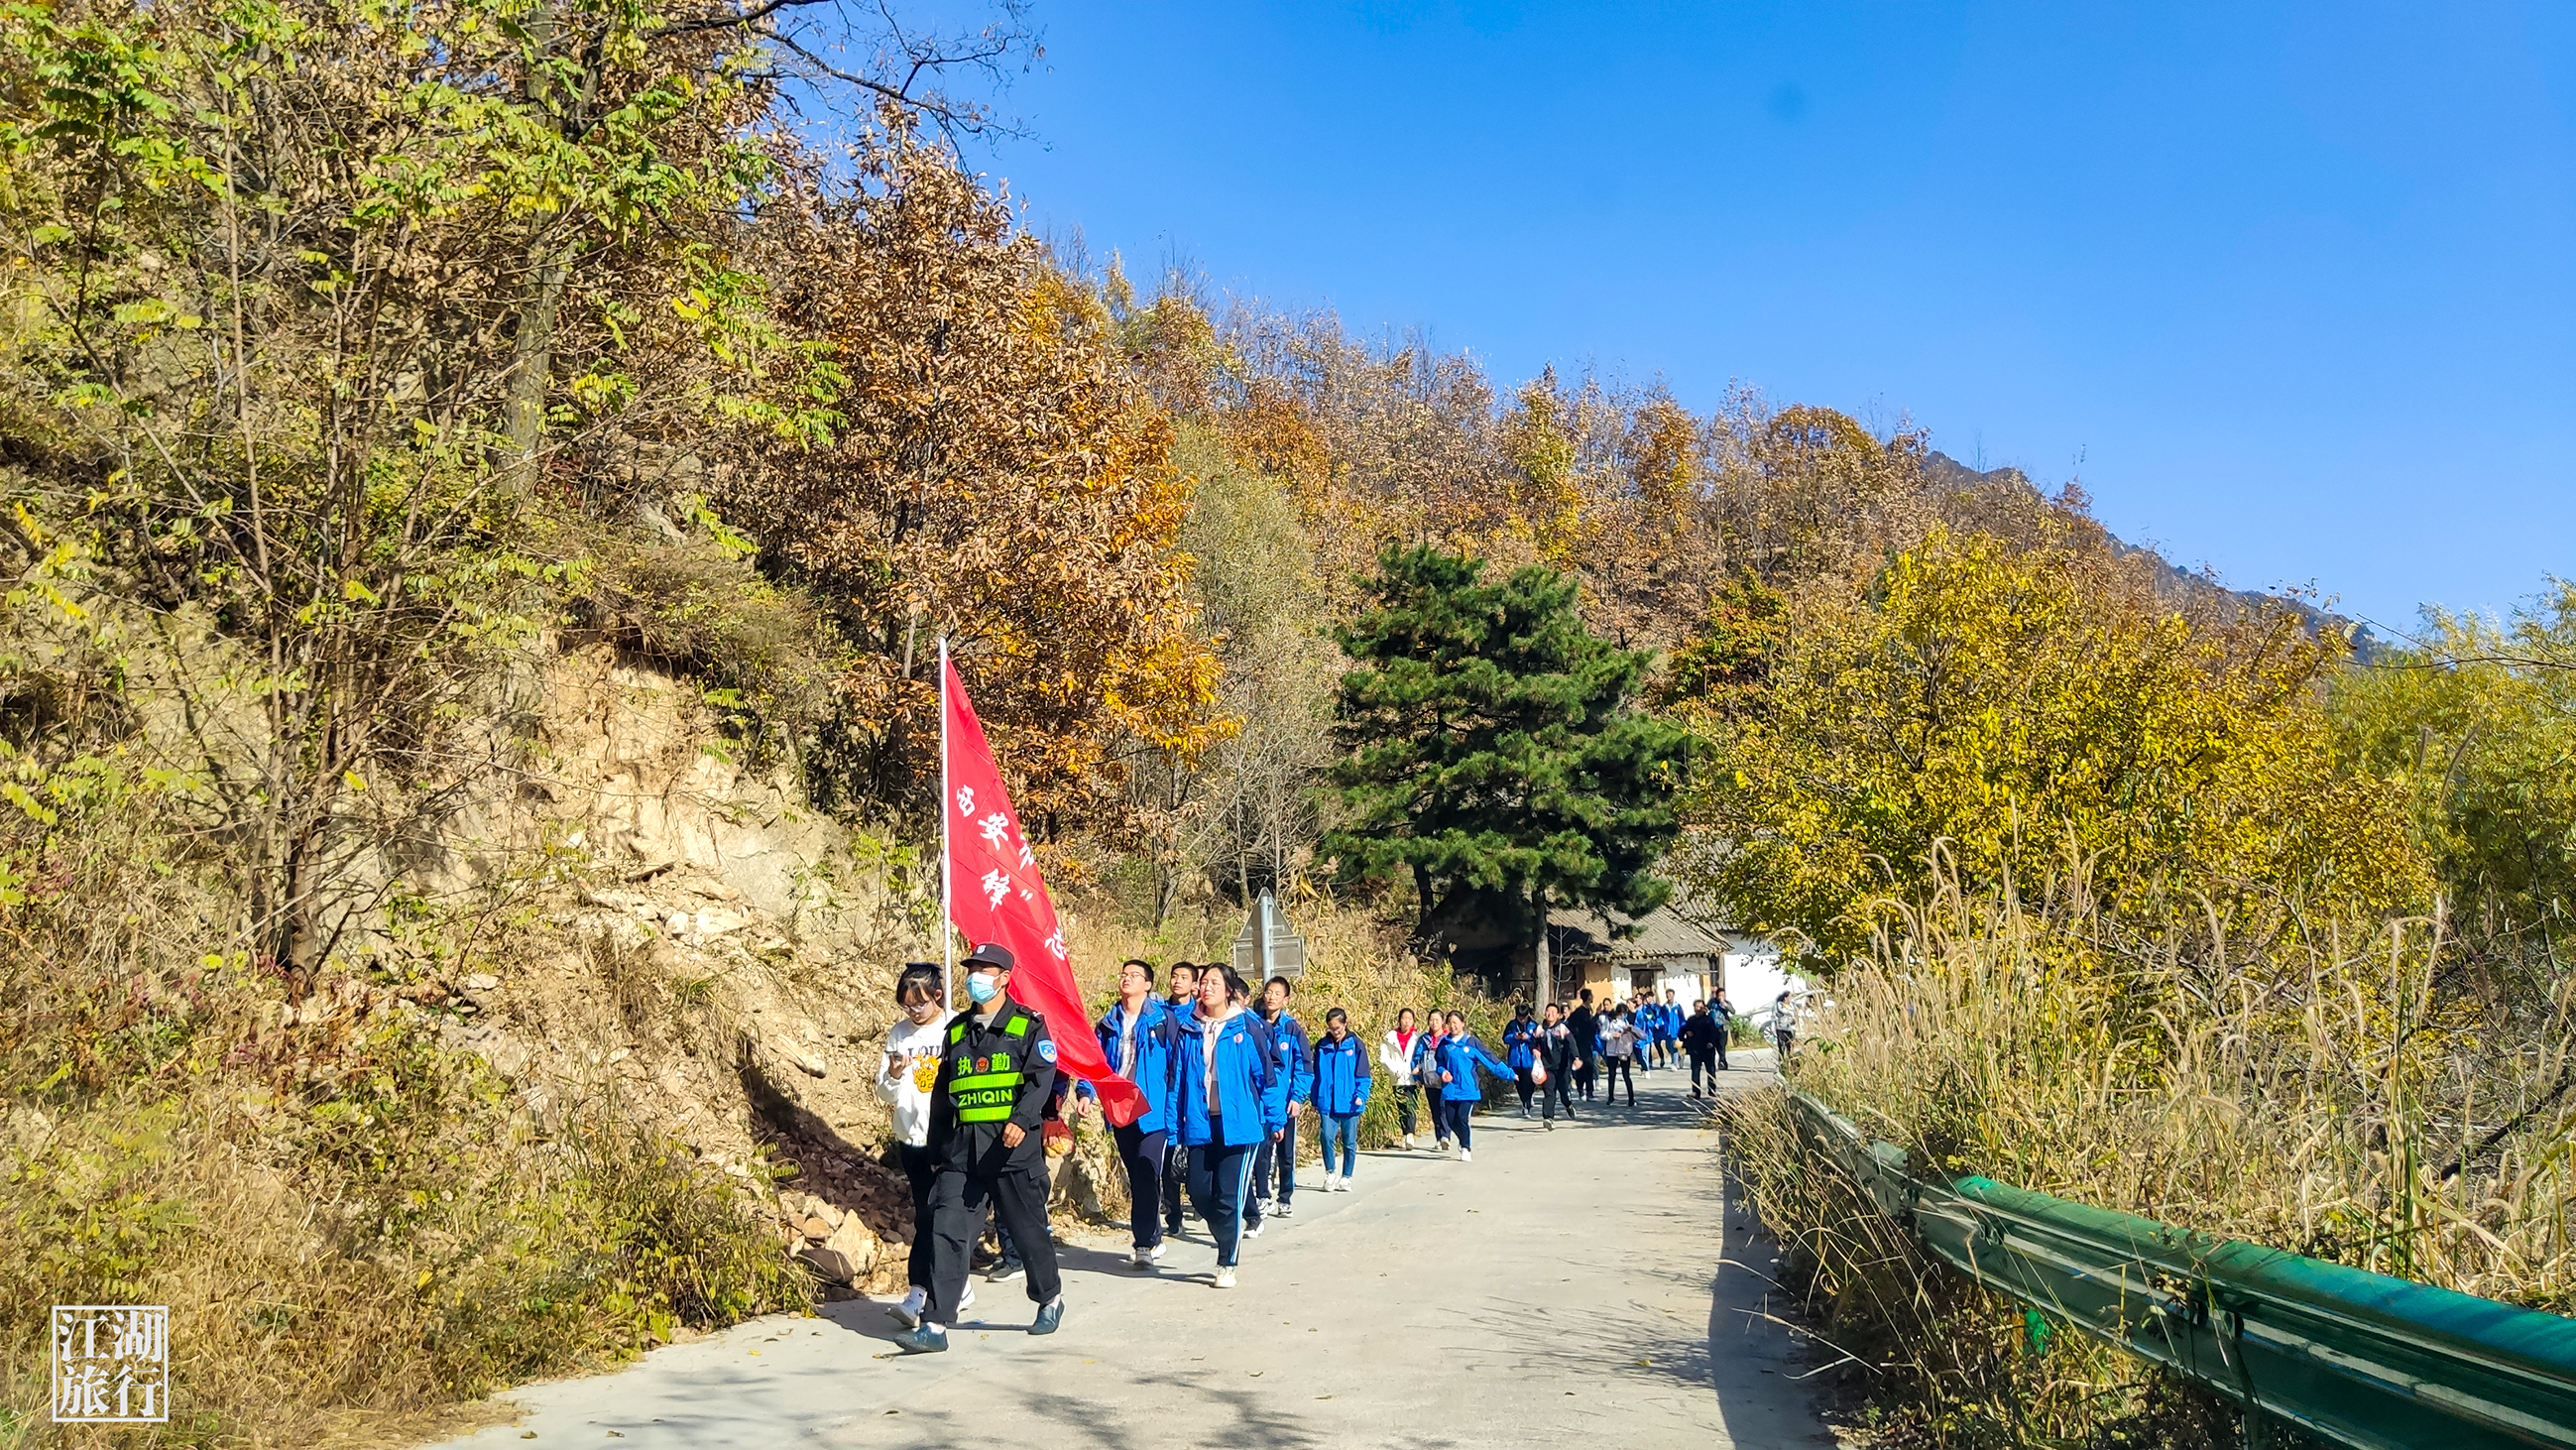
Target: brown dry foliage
995, 476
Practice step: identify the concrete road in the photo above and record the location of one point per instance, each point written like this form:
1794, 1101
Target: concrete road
1582, 1286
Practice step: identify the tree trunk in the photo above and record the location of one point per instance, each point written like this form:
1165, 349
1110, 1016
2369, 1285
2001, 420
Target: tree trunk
532, 364
1546, 969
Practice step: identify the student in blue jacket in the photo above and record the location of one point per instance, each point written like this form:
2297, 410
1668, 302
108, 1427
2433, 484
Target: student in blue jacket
1296, 1087
1141, 1037
1341, 1094
1460, 1056
1520, 1049
1426, 1071
1223, 1103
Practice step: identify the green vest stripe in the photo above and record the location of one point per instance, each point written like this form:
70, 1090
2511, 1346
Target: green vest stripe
985, 1079
984, 1115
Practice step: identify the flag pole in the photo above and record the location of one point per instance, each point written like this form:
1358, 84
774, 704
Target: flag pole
947, 933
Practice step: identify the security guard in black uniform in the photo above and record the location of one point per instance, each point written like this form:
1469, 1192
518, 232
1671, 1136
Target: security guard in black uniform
994, 1081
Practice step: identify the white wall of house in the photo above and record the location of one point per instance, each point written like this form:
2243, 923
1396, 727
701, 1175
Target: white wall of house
1754, 977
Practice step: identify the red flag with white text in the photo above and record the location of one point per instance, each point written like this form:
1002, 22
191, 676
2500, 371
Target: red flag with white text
996, 895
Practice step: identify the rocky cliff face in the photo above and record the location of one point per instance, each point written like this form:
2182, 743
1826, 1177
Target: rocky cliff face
681, 935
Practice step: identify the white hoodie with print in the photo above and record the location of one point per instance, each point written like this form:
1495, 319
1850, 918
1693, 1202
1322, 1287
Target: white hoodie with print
906, 1072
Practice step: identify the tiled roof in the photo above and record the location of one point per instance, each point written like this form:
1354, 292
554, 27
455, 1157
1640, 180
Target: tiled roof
1668, 931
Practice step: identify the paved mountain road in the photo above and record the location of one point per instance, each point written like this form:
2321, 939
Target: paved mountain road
1565, 1288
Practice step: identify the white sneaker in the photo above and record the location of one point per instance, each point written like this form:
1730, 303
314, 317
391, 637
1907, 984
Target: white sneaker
1252, 1231
909, 1311
1466, 1157
1153, 1254
965, 1299
1344, 1186
1408, 1142
1141, 1259
1332, 1183
1225, 1276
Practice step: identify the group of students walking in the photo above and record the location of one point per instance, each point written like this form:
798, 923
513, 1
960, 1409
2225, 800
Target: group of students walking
1224, 1076
1609, 1045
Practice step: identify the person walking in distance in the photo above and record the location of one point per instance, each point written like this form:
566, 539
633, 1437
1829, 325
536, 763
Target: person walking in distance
1724, 1012
1619, 1055
1583, 1029
1141, 1038
1296, 1057
1341, 1078
1700, 1039
1182, 996
996, 1073
1784, 1027
1668, 1027
1224, 1102
1395, 1054
1520, 1050
1460, 1057
1556, 1054
904, 1080
1426, 1071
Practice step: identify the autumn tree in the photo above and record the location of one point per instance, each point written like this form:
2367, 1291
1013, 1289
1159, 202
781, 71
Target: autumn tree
1491, 759
2031, 720
2473, 721
993, 476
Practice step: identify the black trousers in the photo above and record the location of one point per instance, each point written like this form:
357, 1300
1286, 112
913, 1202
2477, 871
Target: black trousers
921, 1171
1583, 1076
1143, 1154
1619, 1071
1281, 1151
1556, 1090
1521, 1080
1015, 1190
1176, 1173
1404, 1100
1461, 1116
1218, 1176
1704, 1063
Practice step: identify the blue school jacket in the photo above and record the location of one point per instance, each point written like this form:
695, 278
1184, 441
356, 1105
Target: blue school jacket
1247, 1109
1296, 1061
1340, 1074
1520, 1044
1460, 1057
1158, 1040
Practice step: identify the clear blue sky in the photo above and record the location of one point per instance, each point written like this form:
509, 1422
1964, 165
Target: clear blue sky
2292, 289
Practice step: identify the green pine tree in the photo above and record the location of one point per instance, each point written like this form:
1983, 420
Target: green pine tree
1490, 754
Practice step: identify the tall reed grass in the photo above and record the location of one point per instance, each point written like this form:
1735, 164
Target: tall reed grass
2354, 1091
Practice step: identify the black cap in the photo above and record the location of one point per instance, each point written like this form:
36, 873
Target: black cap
990, 954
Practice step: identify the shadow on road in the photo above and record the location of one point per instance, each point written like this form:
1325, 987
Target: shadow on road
1219, 1414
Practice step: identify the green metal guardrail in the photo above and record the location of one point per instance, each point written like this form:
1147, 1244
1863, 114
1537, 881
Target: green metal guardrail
2358, 1358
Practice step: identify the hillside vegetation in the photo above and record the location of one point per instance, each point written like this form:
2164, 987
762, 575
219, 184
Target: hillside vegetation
484, 488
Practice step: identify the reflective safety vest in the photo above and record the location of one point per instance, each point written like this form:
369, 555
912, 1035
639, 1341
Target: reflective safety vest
987, 1092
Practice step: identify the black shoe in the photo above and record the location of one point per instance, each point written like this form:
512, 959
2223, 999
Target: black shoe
1005, 1271
1050, 1314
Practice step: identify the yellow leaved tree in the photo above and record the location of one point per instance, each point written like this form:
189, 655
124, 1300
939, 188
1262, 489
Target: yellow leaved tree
2038, 722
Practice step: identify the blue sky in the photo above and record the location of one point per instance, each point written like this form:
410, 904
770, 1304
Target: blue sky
2291, 289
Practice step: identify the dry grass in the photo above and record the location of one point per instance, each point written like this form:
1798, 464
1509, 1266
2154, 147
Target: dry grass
355, 1229
2346, 1092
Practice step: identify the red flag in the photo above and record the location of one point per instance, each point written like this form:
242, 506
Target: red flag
996, 895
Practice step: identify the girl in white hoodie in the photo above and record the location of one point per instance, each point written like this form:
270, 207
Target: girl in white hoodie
1395, 1054
904, 1078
